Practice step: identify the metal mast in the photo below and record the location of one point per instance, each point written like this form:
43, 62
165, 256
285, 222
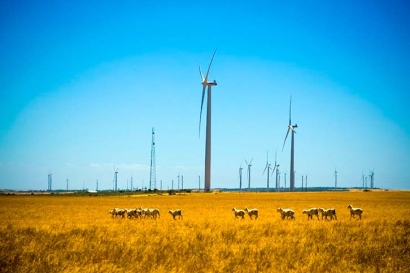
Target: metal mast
153, 169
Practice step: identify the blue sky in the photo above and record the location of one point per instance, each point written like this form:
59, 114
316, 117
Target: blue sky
82, 84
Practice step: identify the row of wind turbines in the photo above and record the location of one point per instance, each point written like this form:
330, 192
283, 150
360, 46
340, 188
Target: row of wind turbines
207, 86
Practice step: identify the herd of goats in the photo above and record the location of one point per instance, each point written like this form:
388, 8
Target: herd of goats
253, 213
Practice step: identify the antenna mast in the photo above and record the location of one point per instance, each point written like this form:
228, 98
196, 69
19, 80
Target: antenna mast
153, 169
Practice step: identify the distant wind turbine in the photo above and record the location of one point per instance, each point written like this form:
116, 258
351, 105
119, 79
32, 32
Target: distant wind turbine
205, 84
276, 168
292, 149
249, 173
240, 177
371, 179
267, 167
335, 175
115, 178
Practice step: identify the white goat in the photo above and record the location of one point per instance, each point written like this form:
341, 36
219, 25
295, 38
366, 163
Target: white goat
288, 213
175, 213
238, 212
310, 212
252, 212
328, 212
355, 211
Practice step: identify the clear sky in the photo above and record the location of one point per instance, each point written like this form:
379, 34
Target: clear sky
83, 82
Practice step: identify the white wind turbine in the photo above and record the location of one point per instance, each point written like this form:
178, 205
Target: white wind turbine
249, 173
205, 84
292, 148
240, 177
335, 175
267, 167
276, 168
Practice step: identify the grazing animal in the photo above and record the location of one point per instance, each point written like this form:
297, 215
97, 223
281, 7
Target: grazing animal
112, 212
175, 213
153, 213
117, 212
310, 212
288, 213
238, 212
328, 212
355, 211
132, 213
143, 212
252, 212
120, 212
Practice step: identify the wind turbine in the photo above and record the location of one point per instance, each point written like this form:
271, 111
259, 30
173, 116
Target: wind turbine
371, 179
292, 148
275, 168
115, 178
335, 175
240, 177
267, 167
249, 173
205, 84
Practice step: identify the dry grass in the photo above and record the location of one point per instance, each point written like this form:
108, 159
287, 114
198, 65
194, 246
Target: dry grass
76, 234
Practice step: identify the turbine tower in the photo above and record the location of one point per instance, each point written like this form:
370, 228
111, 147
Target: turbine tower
267, 167
306, 183
240, 177
335, 174
115, 178
153, 169
292, 148
249, 173
205, 84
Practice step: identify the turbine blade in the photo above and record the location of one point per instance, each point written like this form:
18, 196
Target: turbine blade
251, 161
273, 170
200, 72
202, 104
285, 138
265, 169
290, 110
246, 162
207, 72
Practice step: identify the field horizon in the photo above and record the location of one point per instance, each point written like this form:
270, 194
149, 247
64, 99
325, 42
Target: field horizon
49, 233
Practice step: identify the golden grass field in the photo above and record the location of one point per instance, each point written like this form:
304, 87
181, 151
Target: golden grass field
76, 234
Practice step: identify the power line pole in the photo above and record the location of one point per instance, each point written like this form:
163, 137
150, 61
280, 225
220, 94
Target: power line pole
153, 169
